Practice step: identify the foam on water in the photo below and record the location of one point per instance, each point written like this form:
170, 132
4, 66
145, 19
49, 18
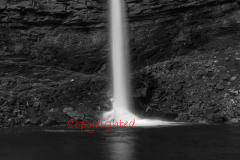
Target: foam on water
118, 114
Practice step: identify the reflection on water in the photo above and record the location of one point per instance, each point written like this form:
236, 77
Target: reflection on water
193, 142
121, 147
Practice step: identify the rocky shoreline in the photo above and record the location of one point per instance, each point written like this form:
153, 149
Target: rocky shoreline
47, 95
202, 87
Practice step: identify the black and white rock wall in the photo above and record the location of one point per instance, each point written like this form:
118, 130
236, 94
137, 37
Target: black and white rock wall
74, 33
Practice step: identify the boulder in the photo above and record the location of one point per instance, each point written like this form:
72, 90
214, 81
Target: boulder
34, 120
182, 118
234, 120
74, 114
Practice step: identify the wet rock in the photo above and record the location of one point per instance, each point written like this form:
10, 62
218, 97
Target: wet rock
198, 119
212, 103
225, 77
177, 87
54, 110
146, 99
36, 104
194, 109
202, 121
199, 76
238, 98
238, 105
98, 108
64, 92
23, 87
234, 120
140, 92
170, 117
219, 87
209, 114
233, 78
4, 94
188, 84
106, 106
138, 107
182, 118
195, 99
7, 109
73, 113
59, 118
45, 98
34, 120
179, 98
230, 113
49, 122
89, 120
216, 109
212, 84
217, 118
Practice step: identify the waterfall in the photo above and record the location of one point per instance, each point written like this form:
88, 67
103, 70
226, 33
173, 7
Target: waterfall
120, 70
119, 58
119, 51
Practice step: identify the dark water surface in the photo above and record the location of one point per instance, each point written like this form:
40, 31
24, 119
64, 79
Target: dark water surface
190, 142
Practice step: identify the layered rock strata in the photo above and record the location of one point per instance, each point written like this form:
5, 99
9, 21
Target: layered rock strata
74, 34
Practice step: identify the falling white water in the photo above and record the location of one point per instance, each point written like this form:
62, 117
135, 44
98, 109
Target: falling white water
120, 72
119, 53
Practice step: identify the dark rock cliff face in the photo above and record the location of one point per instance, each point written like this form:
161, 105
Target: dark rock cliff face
74, 33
